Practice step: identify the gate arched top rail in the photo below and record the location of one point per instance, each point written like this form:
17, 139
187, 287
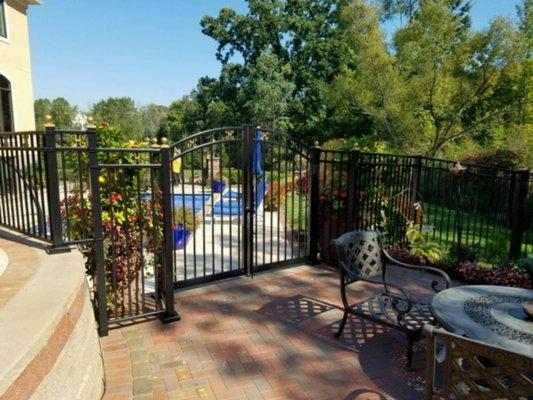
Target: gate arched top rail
287, 136
207, 133
234, 133
201, 146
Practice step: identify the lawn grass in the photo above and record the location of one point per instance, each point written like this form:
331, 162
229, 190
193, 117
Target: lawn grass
490, 235
295, 205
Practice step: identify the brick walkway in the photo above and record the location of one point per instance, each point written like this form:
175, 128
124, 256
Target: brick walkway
269, 337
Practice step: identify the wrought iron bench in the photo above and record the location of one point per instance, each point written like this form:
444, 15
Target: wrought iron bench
362, 258
461, 368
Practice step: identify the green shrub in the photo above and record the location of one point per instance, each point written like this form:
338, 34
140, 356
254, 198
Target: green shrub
465, 252
429, 251
526, 264
185, 218
497, 252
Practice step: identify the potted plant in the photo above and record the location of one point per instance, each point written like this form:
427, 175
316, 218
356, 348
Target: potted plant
183, 225
218, 184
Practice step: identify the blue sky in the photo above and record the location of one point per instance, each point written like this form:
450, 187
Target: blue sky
152, 51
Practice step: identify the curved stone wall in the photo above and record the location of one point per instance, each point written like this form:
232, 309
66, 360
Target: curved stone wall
48, 338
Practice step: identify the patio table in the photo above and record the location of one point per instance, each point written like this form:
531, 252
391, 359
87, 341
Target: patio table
491, 314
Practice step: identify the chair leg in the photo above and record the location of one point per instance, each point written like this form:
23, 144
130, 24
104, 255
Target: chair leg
410, 342
343, 323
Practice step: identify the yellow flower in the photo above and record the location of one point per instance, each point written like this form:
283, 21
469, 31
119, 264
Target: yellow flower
102, 179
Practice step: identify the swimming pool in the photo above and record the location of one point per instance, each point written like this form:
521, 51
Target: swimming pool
195, 202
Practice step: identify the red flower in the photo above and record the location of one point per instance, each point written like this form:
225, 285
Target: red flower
116, 198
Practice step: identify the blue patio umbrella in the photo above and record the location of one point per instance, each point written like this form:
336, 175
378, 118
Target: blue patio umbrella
258, 153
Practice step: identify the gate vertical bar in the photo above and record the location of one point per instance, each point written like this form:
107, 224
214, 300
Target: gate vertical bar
170, 314
415, 184
247, 226
353, 161
519, 220
314, 223
101, 303
52, 190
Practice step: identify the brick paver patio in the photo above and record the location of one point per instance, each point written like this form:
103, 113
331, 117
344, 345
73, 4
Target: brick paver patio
269, 337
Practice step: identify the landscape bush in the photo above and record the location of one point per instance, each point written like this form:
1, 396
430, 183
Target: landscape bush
471, 272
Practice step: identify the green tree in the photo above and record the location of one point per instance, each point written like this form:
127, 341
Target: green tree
268, 93
62, 113
152, 117
443, 86
42, 109
408, 9
304, 36
120, 112
373, 89
453, 72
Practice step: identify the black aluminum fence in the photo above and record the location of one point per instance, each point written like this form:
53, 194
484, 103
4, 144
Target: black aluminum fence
236, 200
485, 207
61, 187
23, 191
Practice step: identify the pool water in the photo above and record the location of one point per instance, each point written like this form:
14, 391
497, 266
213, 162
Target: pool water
194, 202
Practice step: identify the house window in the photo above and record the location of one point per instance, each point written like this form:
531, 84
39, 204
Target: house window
3, 27
6, 109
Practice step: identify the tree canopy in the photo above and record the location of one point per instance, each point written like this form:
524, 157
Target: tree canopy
61, 111
326, 69
120, 112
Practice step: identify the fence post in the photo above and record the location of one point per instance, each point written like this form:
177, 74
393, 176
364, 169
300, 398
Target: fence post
519, 220
52, 189
353, 161
314, 189
247, 199
415, 185
170, 314
98, 232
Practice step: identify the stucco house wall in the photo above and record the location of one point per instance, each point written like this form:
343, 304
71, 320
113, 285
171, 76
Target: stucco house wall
15, 62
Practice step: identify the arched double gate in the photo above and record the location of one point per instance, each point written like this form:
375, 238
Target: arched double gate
150, 218
239, 201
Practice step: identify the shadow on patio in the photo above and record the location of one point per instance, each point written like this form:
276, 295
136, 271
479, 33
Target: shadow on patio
267, 337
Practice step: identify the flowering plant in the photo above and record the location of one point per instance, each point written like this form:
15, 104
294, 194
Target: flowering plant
471, 272
132, 230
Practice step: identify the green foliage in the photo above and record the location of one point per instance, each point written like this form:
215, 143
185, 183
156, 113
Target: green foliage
526, 264
427, 250
133, 229
444, 84
232, 176
269, 93
465, 253
62, 113
184, 217
119, 112
152, 116
497, 252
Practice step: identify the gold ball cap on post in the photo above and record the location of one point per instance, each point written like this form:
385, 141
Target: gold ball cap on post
48, 121
164, 142
90, 123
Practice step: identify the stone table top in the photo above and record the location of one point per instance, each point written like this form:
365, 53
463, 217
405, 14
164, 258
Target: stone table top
491, 314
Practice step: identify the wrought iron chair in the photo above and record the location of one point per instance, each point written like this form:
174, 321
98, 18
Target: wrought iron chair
362, 258
473, 370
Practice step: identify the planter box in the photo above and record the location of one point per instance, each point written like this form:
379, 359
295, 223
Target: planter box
181, 238
218, 187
